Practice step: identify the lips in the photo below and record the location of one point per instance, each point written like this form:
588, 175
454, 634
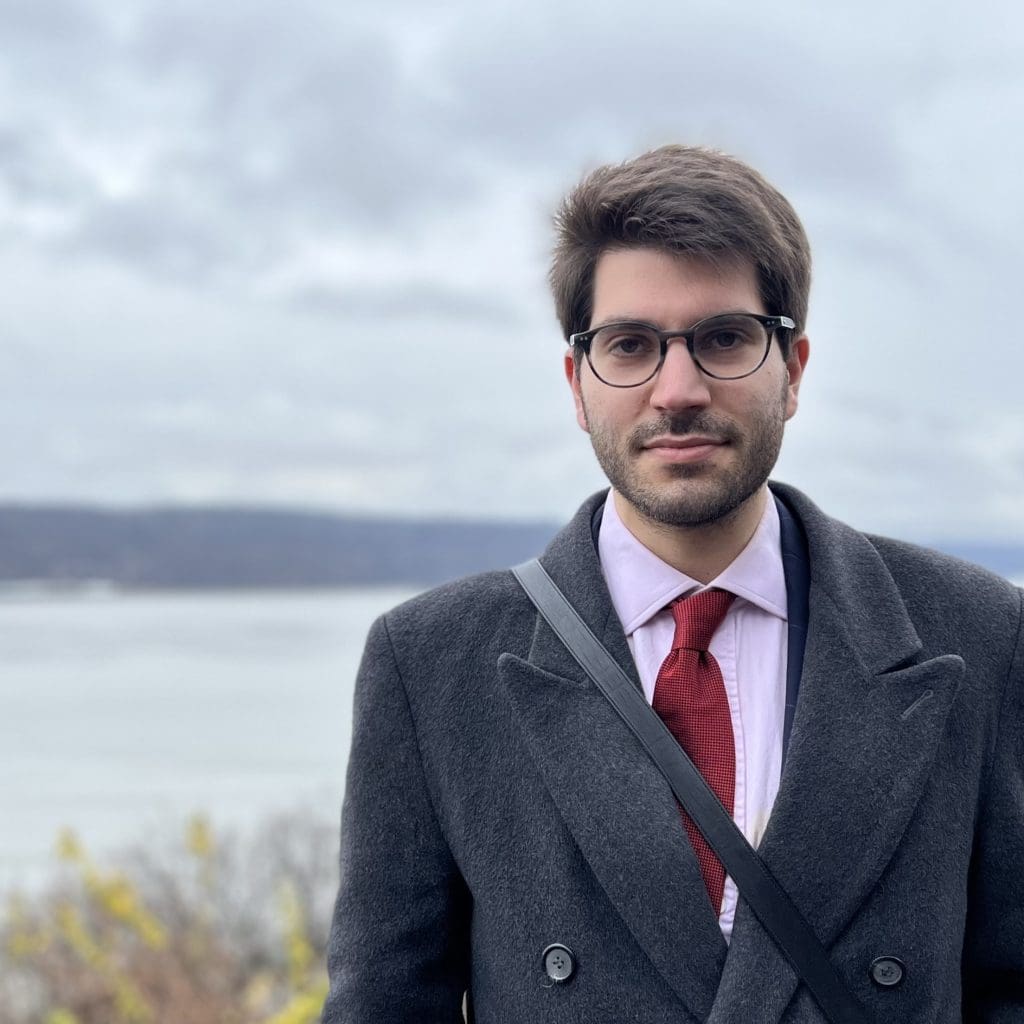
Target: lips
683, 449
695, 441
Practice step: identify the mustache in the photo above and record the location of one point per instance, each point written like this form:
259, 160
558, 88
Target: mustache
683, 424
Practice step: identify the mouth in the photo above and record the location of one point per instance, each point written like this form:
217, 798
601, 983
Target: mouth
684, 449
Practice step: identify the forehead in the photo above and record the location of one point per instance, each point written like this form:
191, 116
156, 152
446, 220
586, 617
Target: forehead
669, 290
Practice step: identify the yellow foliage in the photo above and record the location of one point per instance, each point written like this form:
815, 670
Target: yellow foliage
259, 991
151, 932
25, 943
16, 911
118, 899
297, 946
24, 937
116, 896
68, 847
308, 996
119, 902
304, 1007
72, 929
112, 894
132, 1008
61, 1017
199, 837
102, 923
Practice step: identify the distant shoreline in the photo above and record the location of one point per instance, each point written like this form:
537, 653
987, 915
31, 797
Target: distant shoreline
100, 590
248, 548
93, 549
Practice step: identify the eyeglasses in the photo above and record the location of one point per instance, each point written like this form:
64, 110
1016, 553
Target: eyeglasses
727, 346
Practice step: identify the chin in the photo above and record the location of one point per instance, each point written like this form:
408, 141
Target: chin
690, 505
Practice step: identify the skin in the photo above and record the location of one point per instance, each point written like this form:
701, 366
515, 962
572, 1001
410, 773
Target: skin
694, 506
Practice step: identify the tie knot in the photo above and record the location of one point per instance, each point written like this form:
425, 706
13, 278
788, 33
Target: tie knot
697, 617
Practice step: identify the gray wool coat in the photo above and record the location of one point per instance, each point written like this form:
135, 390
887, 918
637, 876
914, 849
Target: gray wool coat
495, 804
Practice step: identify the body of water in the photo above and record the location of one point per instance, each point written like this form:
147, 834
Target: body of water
122, 714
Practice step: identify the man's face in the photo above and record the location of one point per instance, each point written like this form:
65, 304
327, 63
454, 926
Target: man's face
684, 449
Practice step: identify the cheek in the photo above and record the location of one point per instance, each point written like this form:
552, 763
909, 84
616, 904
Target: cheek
612, 408
773, 392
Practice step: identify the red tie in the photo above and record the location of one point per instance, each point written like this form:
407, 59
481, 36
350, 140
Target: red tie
689, 695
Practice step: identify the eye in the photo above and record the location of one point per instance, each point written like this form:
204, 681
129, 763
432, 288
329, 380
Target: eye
625, 343
630, 344
724, 339
729, 336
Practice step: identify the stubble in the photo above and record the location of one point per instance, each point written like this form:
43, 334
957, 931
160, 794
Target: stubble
686, 495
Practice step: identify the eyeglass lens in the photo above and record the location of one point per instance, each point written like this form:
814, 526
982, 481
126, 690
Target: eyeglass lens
731, 345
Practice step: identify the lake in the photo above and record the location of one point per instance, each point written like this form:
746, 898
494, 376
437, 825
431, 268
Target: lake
122, 714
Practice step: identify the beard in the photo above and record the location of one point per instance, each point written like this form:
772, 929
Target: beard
693, 495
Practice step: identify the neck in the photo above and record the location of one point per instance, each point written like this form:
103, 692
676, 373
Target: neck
701, 552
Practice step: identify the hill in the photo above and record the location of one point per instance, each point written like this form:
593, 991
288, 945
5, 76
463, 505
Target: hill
269, 547
249, 547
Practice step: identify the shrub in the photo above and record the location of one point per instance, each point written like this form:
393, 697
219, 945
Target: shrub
203, 929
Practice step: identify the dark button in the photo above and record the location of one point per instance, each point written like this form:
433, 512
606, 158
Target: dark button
887, 971
559, 963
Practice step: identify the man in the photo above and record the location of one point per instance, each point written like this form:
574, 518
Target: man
509, 848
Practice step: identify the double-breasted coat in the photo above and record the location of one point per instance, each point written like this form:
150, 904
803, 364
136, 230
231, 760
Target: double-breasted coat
496, 806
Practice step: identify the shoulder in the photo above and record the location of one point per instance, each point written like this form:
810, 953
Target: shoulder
925, 573
492, 604
473, 596
846, 556
955, 605
464, 615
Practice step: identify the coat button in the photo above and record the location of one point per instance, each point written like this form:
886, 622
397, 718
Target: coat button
887, 971
559, 963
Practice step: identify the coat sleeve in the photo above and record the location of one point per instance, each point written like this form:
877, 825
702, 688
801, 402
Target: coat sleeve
398, 948
993, 967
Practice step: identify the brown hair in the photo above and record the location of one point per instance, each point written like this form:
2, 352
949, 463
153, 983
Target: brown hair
689, 201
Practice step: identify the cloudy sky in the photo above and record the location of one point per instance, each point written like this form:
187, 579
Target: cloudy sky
296, 253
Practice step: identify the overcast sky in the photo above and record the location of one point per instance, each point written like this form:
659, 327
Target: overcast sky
296, 253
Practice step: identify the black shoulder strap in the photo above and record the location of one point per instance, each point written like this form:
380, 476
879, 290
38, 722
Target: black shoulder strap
767, 899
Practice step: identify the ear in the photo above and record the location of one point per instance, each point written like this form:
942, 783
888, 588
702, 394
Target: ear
799, 350
573, 377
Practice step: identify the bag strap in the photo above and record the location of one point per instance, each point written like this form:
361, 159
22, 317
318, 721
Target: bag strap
767, 899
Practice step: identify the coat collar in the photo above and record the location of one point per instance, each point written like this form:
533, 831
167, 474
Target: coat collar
844, 566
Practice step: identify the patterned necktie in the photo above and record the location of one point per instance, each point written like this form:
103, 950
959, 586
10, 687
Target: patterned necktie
689, 695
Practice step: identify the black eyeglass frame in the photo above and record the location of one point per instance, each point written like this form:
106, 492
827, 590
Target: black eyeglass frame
582, 340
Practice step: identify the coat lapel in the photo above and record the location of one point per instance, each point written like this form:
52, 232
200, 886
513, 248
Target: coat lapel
613, 800
871, 712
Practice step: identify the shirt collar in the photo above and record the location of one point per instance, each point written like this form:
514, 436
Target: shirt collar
641, 584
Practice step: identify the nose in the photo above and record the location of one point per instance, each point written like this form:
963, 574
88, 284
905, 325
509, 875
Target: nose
680, 383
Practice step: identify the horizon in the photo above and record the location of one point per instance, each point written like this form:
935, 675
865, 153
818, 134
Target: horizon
397, 516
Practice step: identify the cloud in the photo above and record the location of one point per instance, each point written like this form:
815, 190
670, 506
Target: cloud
409, 300
247, 135
298, 253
